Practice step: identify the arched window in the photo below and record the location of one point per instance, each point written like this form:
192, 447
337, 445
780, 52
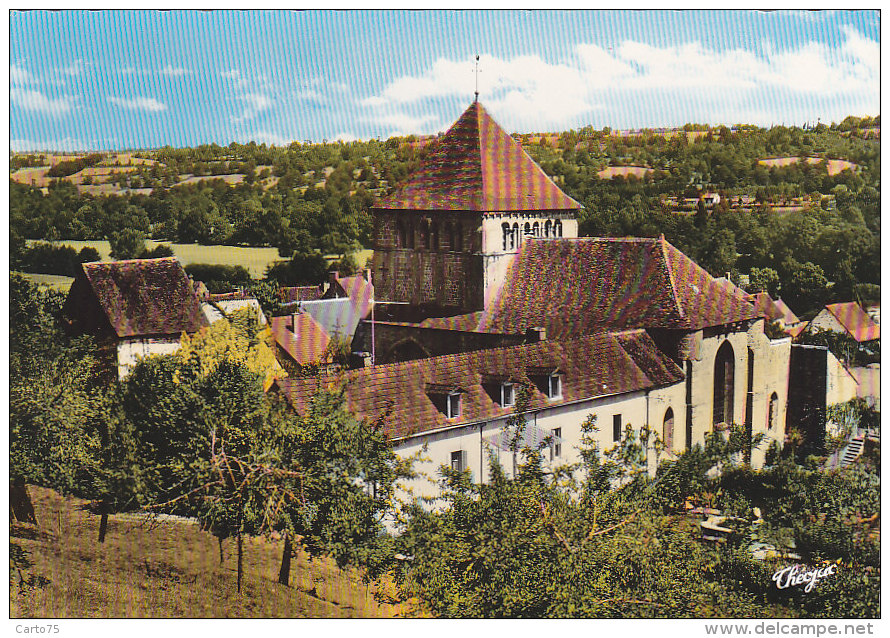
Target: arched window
668, 431
515, 242
773, 414
425, 235
506, 228
724, 384
458, 242
528, 229
409, 229
536, 229
557, 228
403, 235
547, 228
434, 235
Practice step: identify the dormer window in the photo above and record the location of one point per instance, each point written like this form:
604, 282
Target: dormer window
453, 405
508, 395
548, 381
501, 388
446, 398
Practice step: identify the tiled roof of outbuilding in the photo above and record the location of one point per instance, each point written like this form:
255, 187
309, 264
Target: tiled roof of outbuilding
477, 166
855, 321
301, 337
578, 286
595, 365
146, 296
773, 309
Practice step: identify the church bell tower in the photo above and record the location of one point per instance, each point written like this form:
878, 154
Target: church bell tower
446, 236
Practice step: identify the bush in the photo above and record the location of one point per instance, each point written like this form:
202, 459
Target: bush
161, 250
218, 277
48, 259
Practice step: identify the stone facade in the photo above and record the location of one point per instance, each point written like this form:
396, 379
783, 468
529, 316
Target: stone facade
454, 260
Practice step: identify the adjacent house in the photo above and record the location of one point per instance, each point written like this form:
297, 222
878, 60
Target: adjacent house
135, 308
846, 318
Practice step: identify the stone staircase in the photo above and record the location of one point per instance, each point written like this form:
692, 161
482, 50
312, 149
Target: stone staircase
853, 451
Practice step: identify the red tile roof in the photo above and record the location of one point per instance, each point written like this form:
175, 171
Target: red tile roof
579, 286
146, 296
477, 166
595, 365
774, 310
301, 337
299, 293
855, 321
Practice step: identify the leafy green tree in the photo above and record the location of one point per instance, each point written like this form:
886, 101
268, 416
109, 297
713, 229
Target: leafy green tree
127, 244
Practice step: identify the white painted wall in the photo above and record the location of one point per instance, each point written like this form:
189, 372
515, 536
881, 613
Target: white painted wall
434, 449
825, 321
129, 351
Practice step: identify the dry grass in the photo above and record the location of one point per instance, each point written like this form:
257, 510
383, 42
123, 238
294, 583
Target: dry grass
624, 171
835, 166
171, 569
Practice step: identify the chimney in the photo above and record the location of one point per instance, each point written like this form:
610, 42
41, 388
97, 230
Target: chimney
536, 334
333, 276
366, 274
361, 360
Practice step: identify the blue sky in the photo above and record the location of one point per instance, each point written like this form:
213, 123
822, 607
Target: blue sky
136, 79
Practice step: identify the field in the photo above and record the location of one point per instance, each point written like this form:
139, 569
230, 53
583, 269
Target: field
255, 260
171, 569
624, 171
835, 166
58, 282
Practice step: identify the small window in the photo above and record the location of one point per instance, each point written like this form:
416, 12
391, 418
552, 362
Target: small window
555, 386
457, 243
453, 405
555, 443
616, 428
459, 460
548, 383
557, 228
773, 414
508, 395
434, 234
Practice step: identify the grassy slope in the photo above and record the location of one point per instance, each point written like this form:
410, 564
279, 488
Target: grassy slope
170, 569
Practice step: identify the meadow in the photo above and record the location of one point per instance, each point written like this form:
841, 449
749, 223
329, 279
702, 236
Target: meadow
171, 569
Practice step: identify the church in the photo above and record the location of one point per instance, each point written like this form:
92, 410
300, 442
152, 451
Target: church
485, 293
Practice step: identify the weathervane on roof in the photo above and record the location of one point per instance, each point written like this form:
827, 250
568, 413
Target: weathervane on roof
477, 71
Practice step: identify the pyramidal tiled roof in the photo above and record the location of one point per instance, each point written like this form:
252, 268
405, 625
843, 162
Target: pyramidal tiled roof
477, 166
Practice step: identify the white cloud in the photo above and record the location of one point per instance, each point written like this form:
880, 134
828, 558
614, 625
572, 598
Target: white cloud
64, 145
36, 101
138, 104
176, 72
18, 75
254, 104
400, 123
74, 69
532, 94
267, 137
345, 137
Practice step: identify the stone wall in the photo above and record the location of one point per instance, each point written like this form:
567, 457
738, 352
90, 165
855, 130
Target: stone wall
399, 342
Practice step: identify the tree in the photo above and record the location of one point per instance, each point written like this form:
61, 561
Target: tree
127, 244
764, 280
60, 408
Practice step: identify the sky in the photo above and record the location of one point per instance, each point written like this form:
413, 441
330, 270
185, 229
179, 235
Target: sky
104, 80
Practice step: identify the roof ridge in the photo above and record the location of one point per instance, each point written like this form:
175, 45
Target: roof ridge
663, 244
